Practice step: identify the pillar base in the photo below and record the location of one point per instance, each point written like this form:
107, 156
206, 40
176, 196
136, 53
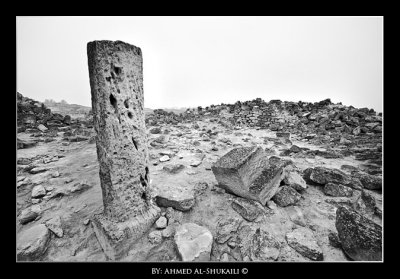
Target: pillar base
117, 238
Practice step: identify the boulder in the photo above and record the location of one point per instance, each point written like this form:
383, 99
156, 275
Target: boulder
247, 172
193, 242
303, 241
155, 237
164, 158
361, 239
32, 243
286, 196
42, 128
155, 130
370, 182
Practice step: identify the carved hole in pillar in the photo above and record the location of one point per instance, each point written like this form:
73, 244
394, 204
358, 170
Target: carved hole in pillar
108, 79
144, 184
117, 70
113, 101
135, 143
130, 115
146, 176
126, 103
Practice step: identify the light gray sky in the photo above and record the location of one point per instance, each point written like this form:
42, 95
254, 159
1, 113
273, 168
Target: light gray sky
199, 61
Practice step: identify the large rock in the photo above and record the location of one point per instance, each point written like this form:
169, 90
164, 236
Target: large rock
246, 172
32, 243
370, 182
286, 196
303, 241
322, 175
193, 242
361, 238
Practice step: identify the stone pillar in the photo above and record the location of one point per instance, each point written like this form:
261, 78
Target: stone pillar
116, 81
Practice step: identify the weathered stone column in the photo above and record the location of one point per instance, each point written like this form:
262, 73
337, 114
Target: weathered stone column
116, 81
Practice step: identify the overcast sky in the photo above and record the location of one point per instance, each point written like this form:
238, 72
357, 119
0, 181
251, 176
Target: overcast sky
199, 61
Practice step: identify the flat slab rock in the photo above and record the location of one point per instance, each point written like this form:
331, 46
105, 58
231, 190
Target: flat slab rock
246, 172
193, 242
361, 238
32, 243
303, 241
180, 197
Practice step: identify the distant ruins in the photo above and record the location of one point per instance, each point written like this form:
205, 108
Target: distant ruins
116, 81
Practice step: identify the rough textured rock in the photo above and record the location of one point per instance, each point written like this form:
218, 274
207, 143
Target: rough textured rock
248, 209
116, 81
246, 172
286, 196
303, 241
361, 238
32, 243
193, 242
370, 182
337, 190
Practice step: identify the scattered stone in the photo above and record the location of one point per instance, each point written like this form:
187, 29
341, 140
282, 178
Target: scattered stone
164, 158
155, 130
286, 196
38, 170
55, 174
42, 128
28, 214
161, 223
193, 242
303, 241
38, 191
155, 237
259, 245
337, 190
296, 215
248, 209
54, 225
168, 231
294, 180
86, 222
334, 240
226, 228
80, 187
361, 238
32, 243
176, 196
173, 168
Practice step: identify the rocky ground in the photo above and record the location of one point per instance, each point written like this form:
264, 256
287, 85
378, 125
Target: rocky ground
58, 191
